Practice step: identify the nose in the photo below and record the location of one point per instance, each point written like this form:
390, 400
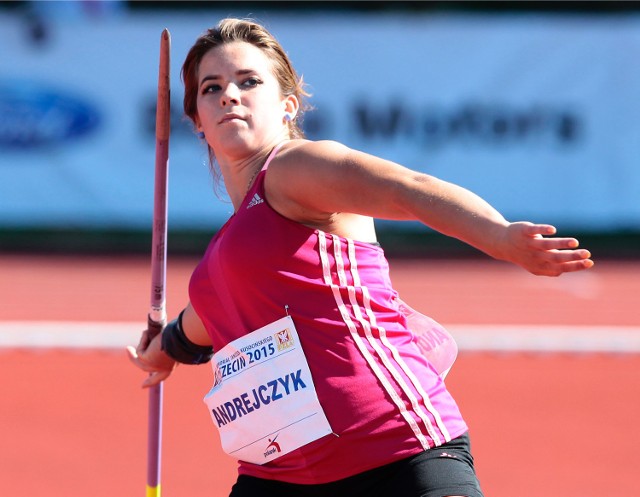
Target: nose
230, 95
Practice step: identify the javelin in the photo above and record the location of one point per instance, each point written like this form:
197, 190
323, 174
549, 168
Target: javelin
158, 315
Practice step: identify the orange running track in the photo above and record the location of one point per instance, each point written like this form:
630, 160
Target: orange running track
73, 422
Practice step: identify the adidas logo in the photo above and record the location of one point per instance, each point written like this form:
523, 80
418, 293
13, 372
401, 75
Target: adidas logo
255, 201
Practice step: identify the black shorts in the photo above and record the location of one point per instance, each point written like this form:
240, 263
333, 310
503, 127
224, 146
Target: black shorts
439, 472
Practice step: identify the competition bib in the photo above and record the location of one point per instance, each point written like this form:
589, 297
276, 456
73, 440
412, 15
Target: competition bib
263, 400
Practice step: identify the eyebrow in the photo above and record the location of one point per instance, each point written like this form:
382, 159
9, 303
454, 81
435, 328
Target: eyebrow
240, 72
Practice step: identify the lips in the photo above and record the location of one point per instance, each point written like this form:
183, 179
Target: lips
230, 117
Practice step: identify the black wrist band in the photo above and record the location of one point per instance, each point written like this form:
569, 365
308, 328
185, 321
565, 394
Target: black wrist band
177, 346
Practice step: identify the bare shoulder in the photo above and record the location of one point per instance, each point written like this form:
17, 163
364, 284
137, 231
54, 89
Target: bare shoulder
309, 182
318, 182
307, 153
299, 177
304, 165
328, 158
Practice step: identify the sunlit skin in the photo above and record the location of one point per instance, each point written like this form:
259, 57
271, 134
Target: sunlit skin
241, 111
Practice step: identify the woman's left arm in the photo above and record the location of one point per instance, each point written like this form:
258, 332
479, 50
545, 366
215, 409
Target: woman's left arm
327, 177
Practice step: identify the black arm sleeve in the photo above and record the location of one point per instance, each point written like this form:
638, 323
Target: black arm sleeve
177, 346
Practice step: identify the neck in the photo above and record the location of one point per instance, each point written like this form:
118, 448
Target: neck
240, 174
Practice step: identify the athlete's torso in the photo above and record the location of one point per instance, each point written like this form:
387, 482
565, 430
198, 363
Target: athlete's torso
384, 401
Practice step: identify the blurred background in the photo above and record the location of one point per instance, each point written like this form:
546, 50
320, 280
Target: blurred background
533, 105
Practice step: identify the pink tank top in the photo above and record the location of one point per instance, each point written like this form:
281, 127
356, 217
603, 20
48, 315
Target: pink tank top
383, 399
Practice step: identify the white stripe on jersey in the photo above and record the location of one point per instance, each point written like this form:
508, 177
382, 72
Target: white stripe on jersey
396, 355
367, 329
356, 337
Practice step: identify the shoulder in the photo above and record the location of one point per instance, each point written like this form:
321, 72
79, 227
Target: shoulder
299, 177
301, 152
312, 158
304, 162
323, 160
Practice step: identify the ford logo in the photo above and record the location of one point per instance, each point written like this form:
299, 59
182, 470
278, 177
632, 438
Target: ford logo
32, 115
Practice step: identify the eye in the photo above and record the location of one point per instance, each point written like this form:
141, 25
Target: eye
252, 82
211, 88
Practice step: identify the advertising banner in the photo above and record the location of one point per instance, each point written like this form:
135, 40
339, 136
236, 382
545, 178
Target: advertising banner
537, 114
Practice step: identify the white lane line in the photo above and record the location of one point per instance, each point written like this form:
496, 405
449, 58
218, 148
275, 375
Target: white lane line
556, 338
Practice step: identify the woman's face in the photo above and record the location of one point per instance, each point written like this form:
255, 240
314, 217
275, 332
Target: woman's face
239, 106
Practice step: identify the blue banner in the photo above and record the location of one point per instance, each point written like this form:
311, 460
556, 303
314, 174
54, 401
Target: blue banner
538, 114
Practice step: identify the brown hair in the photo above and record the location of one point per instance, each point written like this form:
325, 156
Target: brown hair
230, 30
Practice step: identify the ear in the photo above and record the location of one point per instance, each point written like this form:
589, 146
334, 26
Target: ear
197, 124
291, 105
197, 128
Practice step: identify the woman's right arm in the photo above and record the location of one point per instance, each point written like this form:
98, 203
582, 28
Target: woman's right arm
150, 357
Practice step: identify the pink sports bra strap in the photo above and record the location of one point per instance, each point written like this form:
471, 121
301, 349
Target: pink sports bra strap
273, 154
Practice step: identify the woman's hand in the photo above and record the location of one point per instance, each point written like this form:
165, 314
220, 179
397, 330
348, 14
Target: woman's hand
532, 247
149, 357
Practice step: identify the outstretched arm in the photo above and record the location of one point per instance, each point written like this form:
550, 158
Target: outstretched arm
323, 180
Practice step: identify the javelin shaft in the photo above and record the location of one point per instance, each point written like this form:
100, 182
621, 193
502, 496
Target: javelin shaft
157, 314
159, 235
